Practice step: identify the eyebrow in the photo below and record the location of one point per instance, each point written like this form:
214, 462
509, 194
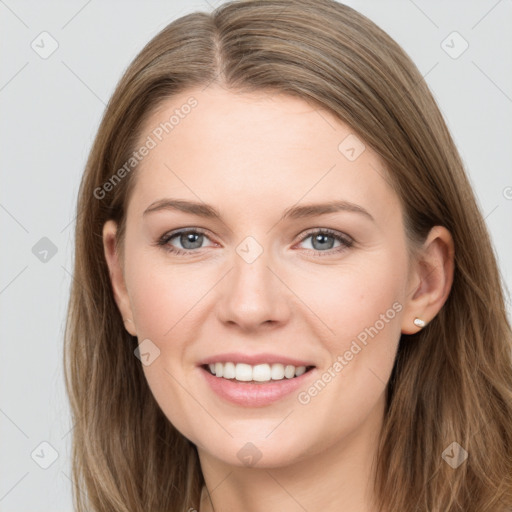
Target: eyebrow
294, 212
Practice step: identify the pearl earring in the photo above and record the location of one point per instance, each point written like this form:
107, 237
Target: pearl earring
418, 322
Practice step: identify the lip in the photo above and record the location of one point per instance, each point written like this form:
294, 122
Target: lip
254, 359
260, 394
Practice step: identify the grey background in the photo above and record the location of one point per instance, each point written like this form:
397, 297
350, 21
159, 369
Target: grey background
50, 111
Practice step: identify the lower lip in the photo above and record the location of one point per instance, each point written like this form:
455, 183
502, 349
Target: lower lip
248, 394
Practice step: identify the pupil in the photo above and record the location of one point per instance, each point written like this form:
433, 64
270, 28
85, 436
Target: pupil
321, 238
189, 238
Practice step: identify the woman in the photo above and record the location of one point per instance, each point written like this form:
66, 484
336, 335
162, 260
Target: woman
285, 295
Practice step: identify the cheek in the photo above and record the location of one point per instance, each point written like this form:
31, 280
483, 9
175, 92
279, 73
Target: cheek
362, 307
164, 300
360, 296
161, 297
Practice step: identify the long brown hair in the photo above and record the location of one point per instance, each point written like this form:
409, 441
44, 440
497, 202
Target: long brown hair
452, 381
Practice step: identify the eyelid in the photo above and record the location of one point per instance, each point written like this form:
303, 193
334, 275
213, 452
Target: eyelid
179, 231
345, 240
332, 232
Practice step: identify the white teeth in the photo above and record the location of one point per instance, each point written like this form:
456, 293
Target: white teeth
229, 371
289, 371
258, 373
261, 373
277, 372
300, 370
242, 372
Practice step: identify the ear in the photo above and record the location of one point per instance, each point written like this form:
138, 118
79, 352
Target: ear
431, 279
114, 264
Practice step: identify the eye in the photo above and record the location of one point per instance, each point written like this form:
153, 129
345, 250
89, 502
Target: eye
189, 239
322, 241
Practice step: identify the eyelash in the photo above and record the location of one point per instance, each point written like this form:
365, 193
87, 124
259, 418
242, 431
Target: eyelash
345, 240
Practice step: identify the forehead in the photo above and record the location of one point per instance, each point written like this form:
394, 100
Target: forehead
249, 149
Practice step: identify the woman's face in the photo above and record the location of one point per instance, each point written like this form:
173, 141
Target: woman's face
276, 280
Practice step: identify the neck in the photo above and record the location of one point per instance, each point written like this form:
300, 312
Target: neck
337, 479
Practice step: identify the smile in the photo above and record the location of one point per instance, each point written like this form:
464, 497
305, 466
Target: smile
251, 392
243, 372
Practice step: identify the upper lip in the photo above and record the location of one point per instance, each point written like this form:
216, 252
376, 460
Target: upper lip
254, 359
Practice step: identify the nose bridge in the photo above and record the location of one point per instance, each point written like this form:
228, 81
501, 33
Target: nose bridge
252, 293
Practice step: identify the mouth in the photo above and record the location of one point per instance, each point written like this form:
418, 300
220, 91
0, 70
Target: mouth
256, 380
255, 374
258, 385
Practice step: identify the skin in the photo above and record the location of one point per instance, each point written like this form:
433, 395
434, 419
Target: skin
252, 156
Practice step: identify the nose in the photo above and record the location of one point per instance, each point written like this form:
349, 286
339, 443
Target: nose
252, 295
